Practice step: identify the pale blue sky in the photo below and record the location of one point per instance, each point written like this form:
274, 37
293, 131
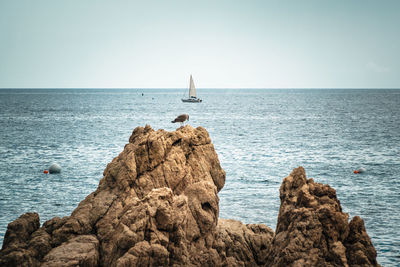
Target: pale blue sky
224, 44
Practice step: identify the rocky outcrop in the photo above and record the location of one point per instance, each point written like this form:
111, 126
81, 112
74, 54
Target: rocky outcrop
157, 205
312, 230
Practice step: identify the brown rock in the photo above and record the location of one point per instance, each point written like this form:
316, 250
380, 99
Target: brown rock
15, 250
242, 245
157, 205
312, 230
79, 251
360, 251
20, 230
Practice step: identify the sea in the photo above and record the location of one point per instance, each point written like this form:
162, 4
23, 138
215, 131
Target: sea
260, 135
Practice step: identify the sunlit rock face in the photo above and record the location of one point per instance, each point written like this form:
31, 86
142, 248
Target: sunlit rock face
312, 230
157, 205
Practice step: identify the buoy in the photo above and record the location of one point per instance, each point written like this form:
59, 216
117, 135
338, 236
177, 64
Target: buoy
54, 168
46, 171
360, 170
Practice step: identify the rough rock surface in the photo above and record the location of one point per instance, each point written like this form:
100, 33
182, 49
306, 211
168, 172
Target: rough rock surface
157, 205
312, 230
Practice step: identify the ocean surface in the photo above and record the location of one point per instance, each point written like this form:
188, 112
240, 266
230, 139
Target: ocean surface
259, 135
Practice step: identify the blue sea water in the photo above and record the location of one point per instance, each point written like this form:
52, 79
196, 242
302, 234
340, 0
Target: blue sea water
259, 135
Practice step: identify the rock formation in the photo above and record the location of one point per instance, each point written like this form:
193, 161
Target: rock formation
312, 230
157, 205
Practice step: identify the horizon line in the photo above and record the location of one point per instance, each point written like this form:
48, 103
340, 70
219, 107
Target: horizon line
207, 88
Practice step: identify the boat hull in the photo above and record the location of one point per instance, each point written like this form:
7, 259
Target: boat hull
192, 100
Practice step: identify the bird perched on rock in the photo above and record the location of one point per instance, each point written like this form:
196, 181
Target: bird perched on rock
181, 118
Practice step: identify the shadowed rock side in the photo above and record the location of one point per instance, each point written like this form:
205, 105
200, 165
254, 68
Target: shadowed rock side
156, 205
312, 230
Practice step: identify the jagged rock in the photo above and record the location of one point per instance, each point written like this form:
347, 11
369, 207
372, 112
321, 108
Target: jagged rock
312, 230
16, 251
19, 231
157, 205
241, 244
78, 251
360, 251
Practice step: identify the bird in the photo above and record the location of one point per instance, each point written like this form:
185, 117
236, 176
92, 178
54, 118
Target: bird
181, 118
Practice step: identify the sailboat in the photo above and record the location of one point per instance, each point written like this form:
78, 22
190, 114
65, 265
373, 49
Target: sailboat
192, 93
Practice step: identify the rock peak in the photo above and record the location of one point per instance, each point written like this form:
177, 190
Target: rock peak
312, 230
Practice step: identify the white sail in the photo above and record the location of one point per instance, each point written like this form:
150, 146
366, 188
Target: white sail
192, 94
192, 89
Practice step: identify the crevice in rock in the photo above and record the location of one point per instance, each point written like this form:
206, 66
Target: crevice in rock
206, 206
179, 183
177, 142
148, 150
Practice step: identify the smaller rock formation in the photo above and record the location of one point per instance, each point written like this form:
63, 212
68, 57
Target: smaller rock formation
17, 239
312, 230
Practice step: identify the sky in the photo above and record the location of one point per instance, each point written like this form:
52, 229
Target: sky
223, 44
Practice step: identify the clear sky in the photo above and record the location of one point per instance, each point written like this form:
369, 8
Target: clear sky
224, 44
